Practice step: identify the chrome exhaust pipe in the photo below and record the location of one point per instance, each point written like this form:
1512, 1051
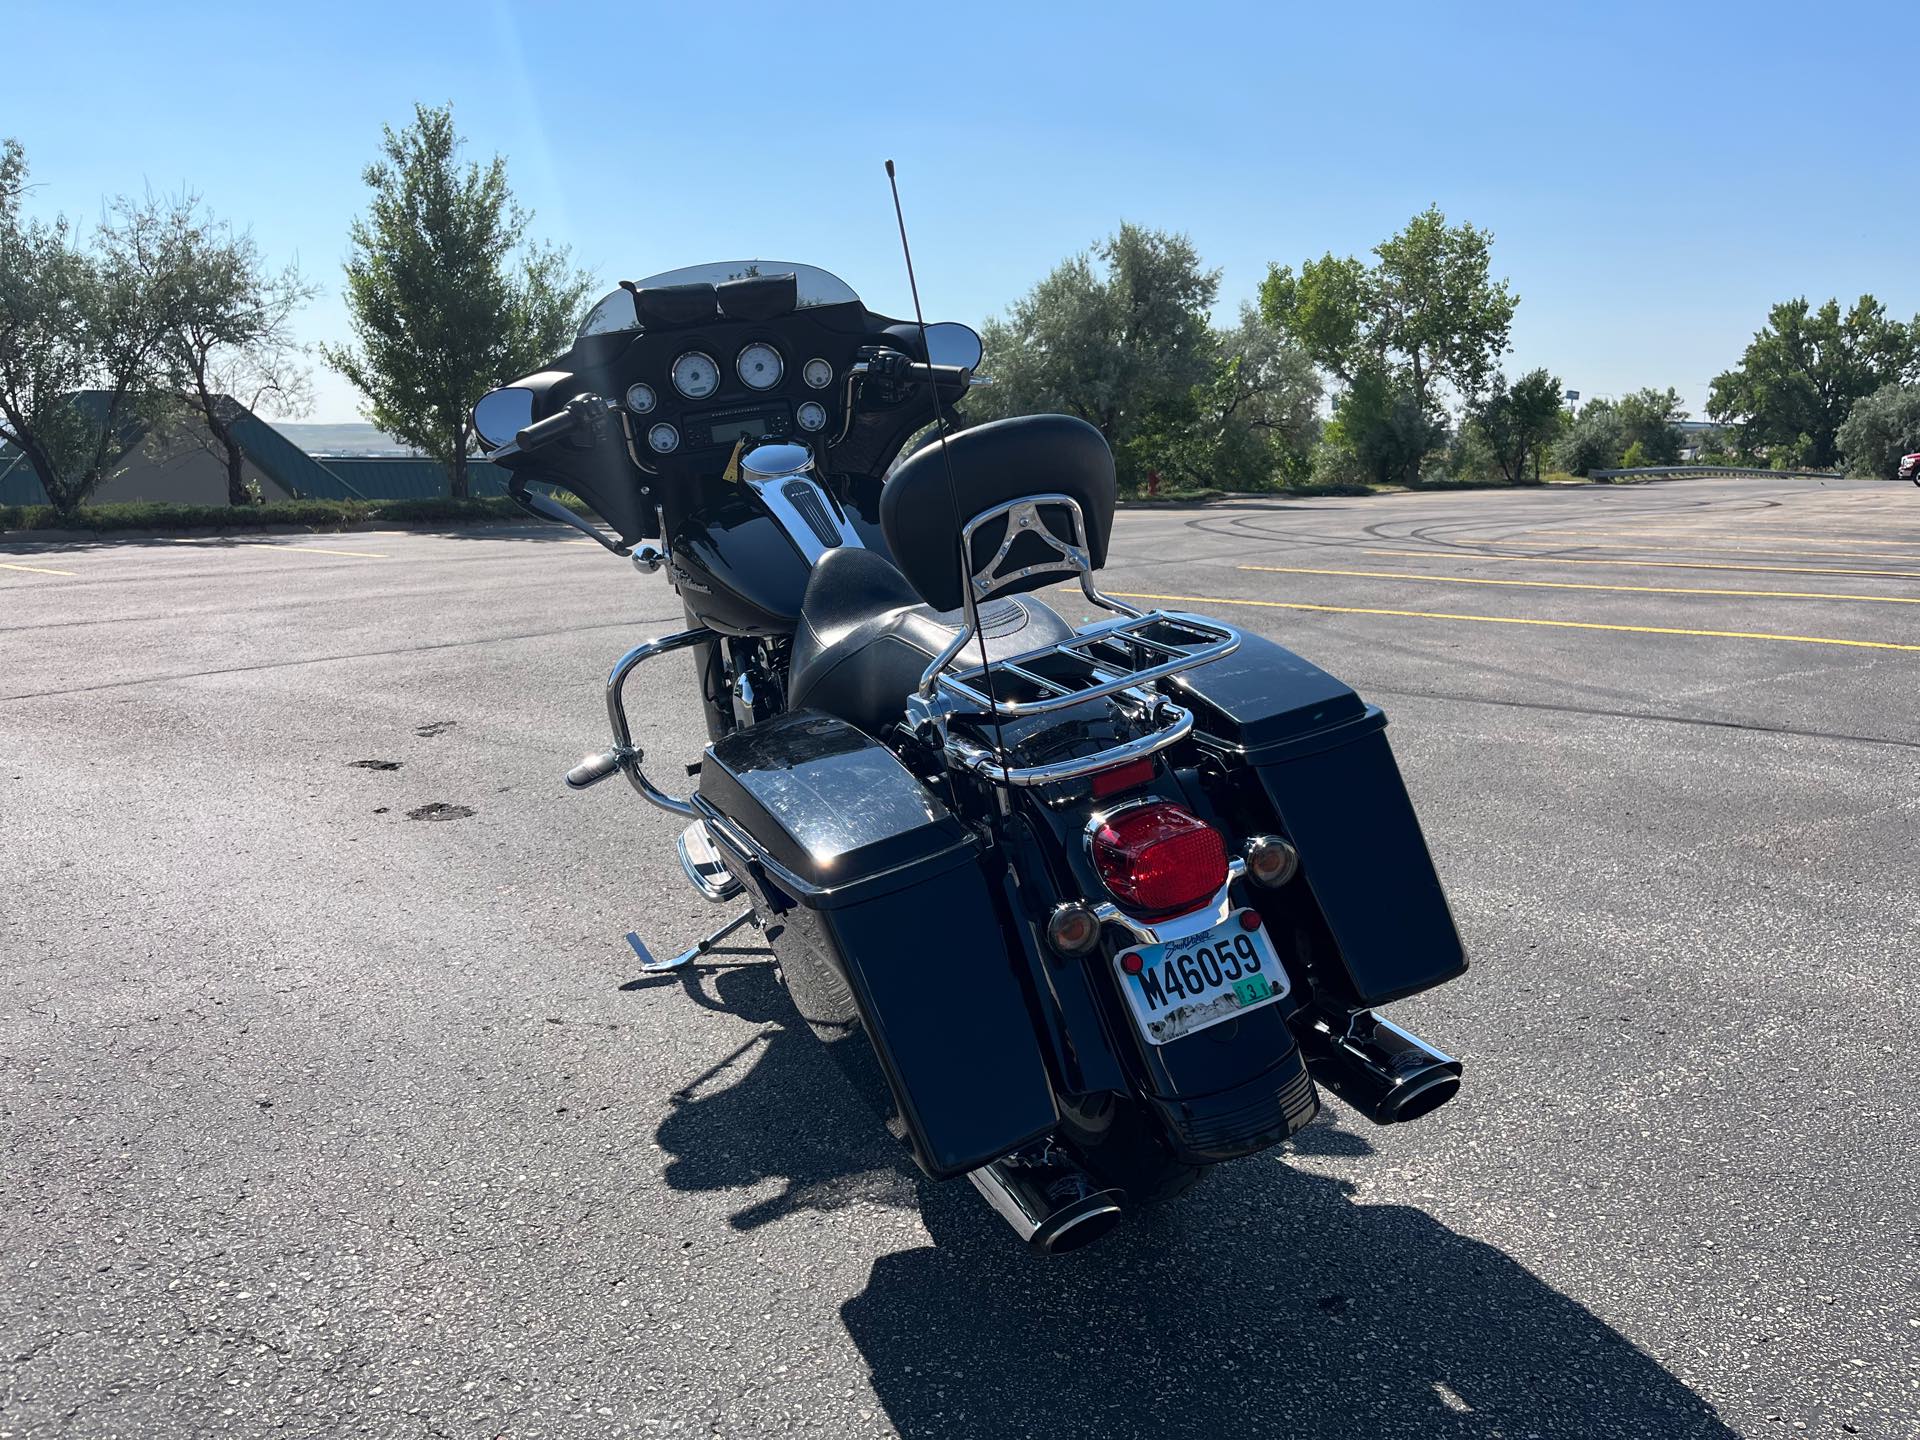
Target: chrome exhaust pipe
1050, 1202
1379, 1069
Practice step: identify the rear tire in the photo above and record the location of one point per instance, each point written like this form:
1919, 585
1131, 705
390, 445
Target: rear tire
1120, 1150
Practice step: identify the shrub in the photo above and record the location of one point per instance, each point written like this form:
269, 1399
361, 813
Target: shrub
1880, 429
1593, 443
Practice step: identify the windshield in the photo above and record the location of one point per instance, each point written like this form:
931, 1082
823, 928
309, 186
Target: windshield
817, 287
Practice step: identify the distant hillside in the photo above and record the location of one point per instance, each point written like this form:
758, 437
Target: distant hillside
355, 438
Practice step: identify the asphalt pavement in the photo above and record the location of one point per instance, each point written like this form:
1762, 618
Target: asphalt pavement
332, 1101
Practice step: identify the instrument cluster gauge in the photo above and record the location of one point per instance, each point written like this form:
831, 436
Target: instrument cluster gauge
664, 439
760, 366
817, 373
641, 399
812, 415
695, 375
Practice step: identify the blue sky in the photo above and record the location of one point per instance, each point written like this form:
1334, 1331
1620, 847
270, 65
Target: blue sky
1654, 175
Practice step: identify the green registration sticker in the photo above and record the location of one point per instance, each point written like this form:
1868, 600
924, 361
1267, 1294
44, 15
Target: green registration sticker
1251, 990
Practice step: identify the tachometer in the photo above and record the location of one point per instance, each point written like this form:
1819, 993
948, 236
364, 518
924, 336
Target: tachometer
760, 366
695, 375
817, 373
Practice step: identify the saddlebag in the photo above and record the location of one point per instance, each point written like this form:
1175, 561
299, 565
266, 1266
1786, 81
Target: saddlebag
1323, 763
884, 921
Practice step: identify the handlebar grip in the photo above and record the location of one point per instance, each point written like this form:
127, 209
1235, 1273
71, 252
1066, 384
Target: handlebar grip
593, 769
543, 432
951, 374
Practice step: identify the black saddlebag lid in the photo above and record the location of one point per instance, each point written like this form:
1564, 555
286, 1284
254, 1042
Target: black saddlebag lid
1264, 697
837, 815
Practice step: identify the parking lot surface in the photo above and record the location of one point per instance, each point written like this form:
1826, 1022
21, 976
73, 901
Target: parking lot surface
332, 1101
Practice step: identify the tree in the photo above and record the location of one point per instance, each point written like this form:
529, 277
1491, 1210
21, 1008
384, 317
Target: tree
1117, 336
80, 335
1251, 418
1880, 429
1803, 372
1517, 423
1650, 419
1384, 428
446, 296
229, 347
1426, 315
1593, 441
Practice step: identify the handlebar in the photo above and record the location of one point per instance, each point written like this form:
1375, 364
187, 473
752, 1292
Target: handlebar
582, 412
951, 374
545, 432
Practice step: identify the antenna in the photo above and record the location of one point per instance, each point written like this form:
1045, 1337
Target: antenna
953, 487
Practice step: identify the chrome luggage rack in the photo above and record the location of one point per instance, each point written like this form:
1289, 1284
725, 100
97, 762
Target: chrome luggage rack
1120, 658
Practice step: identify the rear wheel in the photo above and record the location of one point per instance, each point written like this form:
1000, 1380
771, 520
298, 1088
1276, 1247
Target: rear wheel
1121, 1150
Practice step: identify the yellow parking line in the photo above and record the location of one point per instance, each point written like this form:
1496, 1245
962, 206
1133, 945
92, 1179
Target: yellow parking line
1684, 535
1523, 620
34, 569
1710, 549
1577, 585
319, 550
1478, 555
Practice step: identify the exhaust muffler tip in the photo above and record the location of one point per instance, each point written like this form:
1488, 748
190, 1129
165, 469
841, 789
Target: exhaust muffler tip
1384, 1072
1051, 1203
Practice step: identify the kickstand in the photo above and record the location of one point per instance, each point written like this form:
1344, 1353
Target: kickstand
700, 947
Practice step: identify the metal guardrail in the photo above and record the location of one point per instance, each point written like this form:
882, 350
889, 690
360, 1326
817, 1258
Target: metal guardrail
1707, 472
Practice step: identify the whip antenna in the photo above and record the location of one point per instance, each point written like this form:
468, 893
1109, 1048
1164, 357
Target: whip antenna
953, 487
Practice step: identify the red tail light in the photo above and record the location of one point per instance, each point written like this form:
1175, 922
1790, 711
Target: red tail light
1159, 859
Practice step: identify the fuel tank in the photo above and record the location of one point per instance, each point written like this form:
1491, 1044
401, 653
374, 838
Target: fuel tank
739, 572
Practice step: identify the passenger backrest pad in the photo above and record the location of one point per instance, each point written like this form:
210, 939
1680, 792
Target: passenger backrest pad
993, 464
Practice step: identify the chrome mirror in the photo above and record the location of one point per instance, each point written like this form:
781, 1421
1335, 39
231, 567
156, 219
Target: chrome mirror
950, 343
502, 414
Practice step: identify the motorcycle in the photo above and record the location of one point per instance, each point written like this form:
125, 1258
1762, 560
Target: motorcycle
1107, 903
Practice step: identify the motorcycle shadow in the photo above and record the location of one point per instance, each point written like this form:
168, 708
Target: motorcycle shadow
778, 1107
1267, 1301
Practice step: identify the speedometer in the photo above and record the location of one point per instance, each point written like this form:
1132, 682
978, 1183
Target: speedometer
760, 366
695, 375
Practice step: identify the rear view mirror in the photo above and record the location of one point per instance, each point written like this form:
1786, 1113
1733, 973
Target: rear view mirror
502, 414
950, 343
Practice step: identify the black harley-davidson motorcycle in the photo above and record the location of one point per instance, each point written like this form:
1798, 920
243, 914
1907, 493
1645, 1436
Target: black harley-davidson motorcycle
1107, 901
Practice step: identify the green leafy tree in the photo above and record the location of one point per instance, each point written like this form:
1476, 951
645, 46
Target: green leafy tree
1594, 440
229, 347
1880, 429
1425, 317
1251, 421
446, 296
1385, 430
1650, 419
1803, 372
1517, 422
1118, 336
81, 331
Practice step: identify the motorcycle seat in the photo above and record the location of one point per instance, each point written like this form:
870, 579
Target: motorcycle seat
864, 638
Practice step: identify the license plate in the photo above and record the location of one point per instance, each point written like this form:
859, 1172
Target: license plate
1188, 984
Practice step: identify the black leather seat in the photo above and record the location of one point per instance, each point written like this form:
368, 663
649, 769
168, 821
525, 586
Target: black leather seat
864, 639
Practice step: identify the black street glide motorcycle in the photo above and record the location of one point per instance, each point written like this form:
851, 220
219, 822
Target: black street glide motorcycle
1107, 901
